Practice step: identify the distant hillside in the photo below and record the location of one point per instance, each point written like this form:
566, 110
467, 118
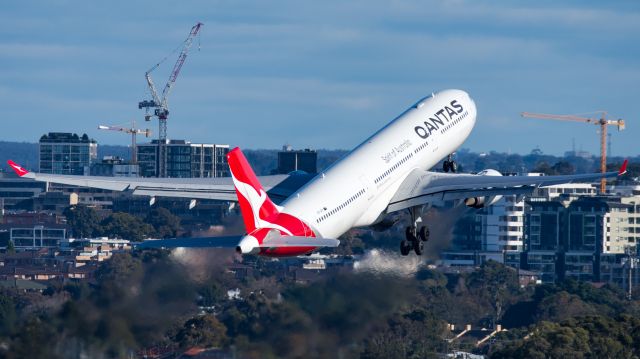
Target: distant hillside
265, 160
23, 153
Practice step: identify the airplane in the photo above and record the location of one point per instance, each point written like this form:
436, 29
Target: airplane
296, 214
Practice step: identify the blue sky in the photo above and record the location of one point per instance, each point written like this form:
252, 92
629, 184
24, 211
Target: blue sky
321, 74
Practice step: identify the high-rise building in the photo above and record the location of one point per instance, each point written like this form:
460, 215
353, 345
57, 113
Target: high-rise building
67, 153
185, 159
290, 160
580, 238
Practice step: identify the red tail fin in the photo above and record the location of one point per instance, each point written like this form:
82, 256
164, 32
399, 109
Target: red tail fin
17, 168
255, 205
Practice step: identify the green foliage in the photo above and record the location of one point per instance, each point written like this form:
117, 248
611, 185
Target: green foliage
145, 298
121, 268
36, 339
495, 284
124, 225
417, 334
7, 314
559, 168
584, 337
165, 223
84, 221
204, 331
211, 294
11, 248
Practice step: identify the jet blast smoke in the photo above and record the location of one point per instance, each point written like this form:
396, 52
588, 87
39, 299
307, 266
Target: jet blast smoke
379, 261
202, 262
440, 222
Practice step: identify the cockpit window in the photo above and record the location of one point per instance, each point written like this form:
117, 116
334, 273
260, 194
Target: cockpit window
420, 103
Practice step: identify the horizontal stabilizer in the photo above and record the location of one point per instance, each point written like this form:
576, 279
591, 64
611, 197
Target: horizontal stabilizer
298, 241
197, 242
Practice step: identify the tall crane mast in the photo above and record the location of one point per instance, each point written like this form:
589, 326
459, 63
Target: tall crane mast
602, 121
133, 131
160, 104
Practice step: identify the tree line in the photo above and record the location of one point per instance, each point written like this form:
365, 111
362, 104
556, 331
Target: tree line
148, 299
86, 222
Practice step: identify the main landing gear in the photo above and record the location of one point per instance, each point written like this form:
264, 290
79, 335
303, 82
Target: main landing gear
415, 237
449, 165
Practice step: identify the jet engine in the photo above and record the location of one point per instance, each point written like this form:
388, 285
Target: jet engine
483, 201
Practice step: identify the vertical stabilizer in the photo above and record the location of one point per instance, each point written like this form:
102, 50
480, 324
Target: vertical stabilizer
255, 205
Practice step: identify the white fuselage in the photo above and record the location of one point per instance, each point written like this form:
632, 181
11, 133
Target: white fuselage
355, 191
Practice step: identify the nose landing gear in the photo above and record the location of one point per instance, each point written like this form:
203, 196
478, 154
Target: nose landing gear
449, 165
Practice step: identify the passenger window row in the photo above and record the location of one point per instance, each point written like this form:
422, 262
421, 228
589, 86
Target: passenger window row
421, 147
396, 166
450, 125
340, 207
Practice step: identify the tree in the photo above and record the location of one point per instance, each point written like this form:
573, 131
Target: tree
122, 267
84, 221
165, 223
559, 168
7, 314
126, 226
563, 168
11, 248
495, 283
211, 294
204, 331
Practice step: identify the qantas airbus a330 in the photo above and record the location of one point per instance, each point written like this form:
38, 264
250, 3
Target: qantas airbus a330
388, 172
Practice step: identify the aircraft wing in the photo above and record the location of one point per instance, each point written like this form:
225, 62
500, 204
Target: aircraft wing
424, 187
278, 187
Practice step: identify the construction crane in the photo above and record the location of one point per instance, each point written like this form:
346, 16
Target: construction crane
160, 104
602, 121
133, 131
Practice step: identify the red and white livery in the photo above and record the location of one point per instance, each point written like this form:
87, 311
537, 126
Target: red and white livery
289, 215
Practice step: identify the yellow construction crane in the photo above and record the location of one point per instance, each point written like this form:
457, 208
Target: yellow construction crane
602, 122
133, 131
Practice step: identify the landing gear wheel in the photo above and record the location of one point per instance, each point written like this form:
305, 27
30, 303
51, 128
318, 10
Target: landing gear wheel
449, 165
423, 234
453, 165
418, 247
410, 234
445, 166
405, 247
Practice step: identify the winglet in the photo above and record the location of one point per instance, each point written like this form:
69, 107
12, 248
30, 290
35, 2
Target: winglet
17, 168
623, 168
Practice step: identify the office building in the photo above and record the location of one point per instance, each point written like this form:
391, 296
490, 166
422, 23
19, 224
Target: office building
290, 160
38, 236
185, 159
66, 153
113, 166
580, 239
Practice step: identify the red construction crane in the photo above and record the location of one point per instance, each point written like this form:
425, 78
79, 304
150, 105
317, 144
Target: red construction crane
133, 131
161, 103
602, 122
